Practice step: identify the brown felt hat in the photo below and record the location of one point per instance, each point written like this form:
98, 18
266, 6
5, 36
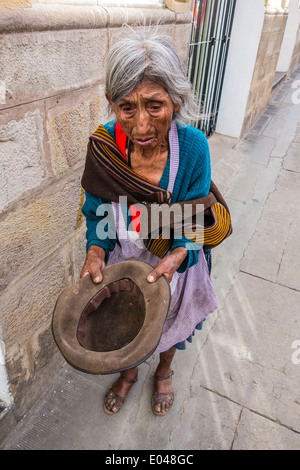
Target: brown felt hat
115, 325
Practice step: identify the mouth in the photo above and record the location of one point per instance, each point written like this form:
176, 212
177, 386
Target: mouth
144, 142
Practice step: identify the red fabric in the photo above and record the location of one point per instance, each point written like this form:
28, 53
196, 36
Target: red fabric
121, 140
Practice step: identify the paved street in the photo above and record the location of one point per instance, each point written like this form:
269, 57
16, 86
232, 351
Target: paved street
237, 385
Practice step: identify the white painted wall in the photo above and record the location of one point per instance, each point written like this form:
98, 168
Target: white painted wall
245, 37
289, 38
5, 395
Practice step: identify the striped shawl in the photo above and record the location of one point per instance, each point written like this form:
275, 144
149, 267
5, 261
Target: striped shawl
107, 175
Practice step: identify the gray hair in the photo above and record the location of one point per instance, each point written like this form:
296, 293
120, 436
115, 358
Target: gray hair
151, 57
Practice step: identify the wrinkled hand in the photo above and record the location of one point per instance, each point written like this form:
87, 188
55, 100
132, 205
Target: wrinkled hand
94, 263
168, 265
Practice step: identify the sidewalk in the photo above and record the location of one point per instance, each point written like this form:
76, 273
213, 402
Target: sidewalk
237, 385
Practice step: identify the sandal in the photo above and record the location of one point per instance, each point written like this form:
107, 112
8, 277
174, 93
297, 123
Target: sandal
117, 400
160, 398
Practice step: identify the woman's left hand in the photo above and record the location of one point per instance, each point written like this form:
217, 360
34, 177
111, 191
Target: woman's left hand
168, 265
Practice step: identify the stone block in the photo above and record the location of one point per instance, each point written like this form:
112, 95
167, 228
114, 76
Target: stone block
225, 161
15, 4
263, 46
265, 66
7, 422
292, 159
78, 251
38, 65
134, 17
250, 184
269, 65
268, 25
288, 274
260, 124
30, 302
179, 6
271, 44
54, 16
32, 357
22, 157
202, 426
271, 242
264, 252
256, 148
255, 432
30, 232
120, 34
43, 361
181, 40
179, 35
71, 119
248, 355
230, 253
25, 363
274, 128
280, 23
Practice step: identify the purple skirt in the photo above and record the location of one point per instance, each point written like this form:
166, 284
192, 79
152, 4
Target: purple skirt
182, 345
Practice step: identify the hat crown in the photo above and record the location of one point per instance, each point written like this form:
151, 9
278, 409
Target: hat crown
113, 317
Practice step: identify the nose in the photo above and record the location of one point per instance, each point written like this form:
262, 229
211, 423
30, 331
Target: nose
142, 121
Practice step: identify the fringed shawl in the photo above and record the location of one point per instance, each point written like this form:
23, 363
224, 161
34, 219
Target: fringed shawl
107, 175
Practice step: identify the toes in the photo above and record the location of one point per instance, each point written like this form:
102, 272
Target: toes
110, 406
109, 402
115, 397
113, 402
158, 408
162, 403
162, 407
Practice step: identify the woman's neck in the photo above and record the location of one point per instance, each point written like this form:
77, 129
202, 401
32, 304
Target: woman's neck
149, 164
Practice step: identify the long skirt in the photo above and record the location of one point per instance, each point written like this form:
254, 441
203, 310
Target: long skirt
192, 295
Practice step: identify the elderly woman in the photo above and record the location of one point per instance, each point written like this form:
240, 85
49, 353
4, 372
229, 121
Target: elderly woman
161, 159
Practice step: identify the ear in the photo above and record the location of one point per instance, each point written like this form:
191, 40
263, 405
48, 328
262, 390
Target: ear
177, 107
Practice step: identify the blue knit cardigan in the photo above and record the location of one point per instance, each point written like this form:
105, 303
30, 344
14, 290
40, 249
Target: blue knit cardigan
192, 181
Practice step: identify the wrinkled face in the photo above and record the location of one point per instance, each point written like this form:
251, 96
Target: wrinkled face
145, 115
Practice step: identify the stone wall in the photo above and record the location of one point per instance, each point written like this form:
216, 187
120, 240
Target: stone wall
265, 67
52, 61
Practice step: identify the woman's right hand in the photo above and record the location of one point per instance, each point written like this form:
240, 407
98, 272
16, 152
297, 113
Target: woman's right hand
94, 263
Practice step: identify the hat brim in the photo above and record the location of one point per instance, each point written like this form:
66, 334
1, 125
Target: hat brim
73, 300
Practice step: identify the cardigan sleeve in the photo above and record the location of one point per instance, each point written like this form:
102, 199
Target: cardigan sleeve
196, 179
200, 178
99, 223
